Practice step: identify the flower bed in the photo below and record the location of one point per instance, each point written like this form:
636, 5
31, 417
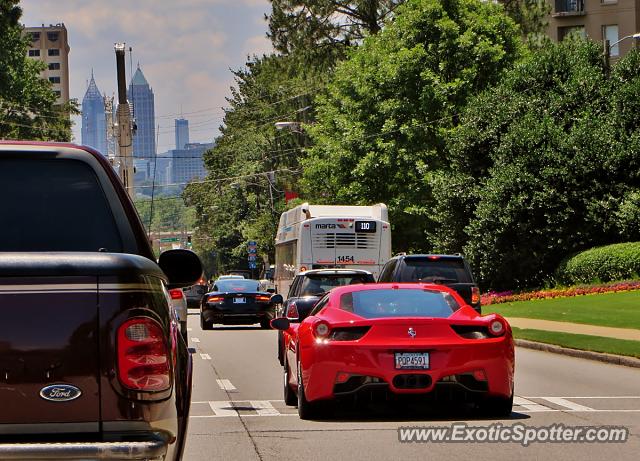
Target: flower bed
510, 296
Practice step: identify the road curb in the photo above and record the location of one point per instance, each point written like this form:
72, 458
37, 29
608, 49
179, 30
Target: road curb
590, 355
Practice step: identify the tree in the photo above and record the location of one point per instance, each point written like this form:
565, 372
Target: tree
27, 102
531, 15
548, 162
383, 124
324, 29
252, 162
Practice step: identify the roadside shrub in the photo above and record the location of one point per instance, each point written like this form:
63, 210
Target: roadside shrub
612, 262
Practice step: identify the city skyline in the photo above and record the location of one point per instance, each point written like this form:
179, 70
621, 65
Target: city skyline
185, 49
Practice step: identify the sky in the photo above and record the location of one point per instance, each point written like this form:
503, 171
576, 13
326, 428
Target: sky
185, 49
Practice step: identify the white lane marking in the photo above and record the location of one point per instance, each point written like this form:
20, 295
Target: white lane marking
264, 408
222, 409
195, 340
567, 404
205, 356
595, 397
225, 385
530, 406
189, 329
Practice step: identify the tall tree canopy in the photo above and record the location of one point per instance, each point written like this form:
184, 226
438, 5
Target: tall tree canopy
382, 128
545, 164
325, 27
252, 162
27, 102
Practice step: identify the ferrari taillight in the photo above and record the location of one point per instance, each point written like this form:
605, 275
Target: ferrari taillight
321, 330
475, 295
143, 355
348, 333
496, 327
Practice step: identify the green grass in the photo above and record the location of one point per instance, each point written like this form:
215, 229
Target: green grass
620, 310
582, 342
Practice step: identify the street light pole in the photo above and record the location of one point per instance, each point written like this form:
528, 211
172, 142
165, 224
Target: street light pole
607, 48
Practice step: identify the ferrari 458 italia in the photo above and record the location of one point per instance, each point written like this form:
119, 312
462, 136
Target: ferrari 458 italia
399, 339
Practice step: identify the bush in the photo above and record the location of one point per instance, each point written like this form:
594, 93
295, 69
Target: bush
612, 262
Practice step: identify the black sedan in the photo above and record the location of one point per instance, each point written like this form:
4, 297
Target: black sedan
238, 302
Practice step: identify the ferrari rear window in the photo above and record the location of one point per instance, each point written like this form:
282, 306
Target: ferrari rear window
399, 303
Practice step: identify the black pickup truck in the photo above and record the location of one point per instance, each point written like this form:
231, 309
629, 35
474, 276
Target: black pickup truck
92, 365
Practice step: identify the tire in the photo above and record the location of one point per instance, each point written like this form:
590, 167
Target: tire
204, 324
290, 397
497, 407
306, 409
281, 348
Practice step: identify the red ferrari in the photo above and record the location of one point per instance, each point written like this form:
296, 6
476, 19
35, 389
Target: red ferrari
398, 338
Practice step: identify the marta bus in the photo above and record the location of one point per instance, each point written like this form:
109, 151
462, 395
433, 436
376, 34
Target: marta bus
331, 236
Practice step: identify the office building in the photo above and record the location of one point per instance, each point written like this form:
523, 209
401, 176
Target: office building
94, 123
50, 45
142, 99
182, 133
187, 164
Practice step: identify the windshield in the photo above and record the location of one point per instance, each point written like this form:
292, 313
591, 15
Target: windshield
435, 270
239, 285
315, 285
399, 303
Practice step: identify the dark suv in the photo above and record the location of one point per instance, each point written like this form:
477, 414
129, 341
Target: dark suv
450, 270
308, 287
92, 362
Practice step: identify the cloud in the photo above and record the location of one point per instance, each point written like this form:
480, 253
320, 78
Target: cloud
185, 49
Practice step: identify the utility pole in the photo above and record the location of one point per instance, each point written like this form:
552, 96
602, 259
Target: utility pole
125, 125
607, 56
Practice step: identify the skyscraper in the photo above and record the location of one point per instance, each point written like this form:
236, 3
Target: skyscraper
141, 96
182, 133
94, 124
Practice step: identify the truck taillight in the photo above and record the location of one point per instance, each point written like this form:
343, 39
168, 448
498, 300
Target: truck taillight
292, 311
176, 294
143, 356
475, 295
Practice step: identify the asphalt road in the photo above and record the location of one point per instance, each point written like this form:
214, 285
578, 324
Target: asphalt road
237, 412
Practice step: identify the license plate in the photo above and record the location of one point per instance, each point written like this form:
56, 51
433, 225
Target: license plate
239, 300
412, 360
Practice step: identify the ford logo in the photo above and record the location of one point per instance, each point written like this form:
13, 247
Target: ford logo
60, 393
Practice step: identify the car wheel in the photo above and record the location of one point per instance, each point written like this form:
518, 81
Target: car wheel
204, 324
290, 398
306, 409
497, 407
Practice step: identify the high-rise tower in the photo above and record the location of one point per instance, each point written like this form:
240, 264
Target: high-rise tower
141, 96
182, 133
94, 126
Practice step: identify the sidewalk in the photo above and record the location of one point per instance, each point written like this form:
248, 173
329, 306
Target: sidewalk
576, 328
